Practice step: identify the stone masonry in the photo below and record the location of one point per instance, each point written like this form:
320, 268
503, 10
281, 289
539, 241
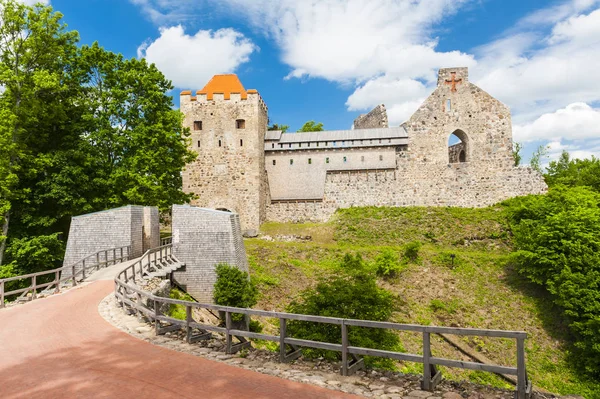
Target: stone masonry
376, 118
135, 226
203, 238
307, 176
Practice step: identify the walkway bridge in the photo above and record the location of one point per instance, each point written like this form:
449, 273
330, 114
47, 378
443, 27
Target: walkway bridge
61, 347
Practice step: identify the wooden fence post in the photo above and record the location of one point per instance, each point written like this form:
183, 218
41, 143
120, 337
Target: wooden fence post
282, 335
73, 275
344, 348
426, 383
34, 287
156, 321
188, 320
57, 281
227, 328
121, 260
1, 294
83, 270
98, 260
521, 371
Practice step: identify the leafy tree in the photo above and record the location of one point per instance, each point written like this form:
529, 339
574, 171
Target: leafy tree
134, 139
34, 47
275, 126
537, 157
351, 294
574, 172
311, 126
81, 130
517, 147
558, 240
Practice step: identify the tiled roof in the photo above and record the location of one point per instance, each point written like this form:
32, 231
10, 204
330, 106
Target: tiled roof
225, 84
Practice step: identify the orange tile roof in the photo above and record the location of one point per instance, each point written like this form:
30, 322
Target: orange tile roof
225, 84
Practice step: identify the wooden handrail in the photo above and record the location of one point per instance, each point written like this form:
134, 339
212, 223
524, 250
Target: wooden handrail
430, 375
124, 255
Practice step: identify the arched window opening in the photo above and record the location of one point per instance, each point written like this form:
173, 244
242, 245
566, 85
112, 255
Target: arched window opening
458, 147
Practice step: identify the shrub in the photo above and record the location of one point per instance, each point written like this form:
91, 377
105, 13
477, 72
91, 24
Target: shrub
387, 264
411, 250
351, 294
178, 311
558, 242
234, 288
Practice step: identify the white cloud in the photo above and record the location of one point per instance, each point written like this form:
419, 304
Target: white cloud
540, 71
577, 121
190, 61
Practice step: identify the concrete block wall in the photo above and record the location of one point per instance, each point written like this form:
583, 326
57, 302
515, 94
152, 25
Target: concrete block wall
203, 238
109, 229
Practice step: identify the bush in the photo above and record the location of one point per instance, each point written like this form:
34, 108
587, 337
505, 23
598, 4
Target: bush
411, 250
352, 294
178, 311
387, 264
234, 288
558, 242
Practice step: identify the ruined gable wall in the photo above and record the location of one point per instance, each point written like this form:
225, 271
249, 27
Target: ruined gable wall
376, 118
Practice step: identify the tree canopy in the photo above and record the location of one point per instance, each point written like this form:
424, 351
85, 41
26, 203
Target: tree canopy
81, 130
311, 126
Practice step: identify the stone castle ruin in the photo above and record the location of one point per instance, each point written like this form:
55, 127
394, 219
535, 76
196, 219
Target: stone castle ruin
455, 150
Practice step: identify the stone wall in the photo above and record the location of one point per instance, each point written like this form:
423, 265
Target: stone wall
203, 238
301, 175
109, 229
455, 151
460, 185
377, 117
150, 228
229, 171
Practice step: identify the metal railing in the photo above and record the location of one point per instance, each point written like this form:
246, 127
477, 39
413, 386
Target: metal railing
80, 270
134, 297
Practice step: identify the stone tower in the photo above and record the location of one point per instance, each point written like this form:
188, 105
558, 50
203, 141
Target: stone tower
228, 125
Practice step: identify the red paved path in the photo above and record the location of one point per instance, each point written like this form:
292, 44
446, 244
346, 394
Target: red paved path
60, 347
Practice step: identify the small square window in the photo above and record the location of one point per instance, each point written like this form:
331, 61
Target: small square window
240, 124
326, 160
345, 159
197, 125
273, 145
310, 161
291, 161
274, 162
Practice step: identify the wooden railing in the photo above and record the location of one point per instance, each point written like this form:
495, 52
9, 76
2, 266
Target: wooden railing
166, 241
77, 271
134, 298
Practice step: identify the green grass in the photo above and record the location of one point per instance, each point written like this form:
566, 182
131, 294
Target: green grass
474, 288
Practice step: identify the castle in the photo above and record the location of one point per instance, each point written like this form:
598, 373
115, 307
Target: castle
273, 176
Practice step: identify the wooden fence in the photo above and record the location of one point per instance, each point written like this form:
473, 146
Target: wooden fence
136, 299
78, 271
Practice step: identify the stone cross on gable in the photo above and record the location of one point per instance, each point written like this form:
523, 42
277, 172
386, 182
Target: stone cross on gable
453, 81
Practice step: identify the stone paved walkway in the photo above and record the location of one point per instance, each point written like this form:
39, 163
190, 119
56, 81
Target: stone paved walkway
60, 347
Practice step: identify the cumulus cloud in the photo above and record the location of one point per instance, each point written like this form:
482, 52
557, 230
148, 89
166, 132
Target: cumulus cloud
577, 121
190, 61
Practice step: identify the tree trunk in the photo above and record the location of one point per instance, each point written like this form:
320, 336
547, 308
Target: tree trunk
4, 233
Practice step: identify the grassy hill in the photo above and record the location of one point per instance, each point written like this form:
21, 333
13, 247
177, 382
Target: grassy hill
478, 288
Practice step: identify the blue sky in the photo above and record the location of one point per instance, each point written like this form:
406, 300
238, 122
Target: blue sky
331, 60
